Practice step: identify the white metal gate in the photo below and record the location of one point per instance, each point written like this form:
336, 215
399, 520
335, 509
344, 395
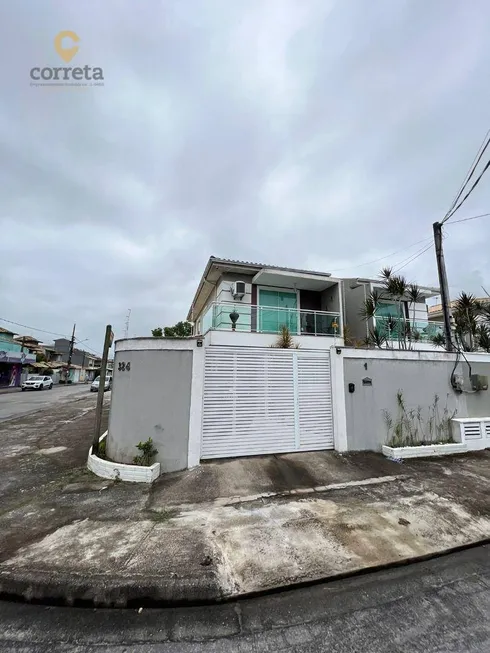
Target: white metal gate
265, 400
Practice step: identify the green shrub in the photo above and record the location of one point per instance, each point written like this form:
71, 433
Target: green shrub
148, 452
101, 453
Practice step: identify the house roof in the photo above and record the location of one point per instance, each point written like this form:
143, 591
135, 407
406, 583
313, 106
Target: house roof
232, 265
427, 291
437, 308
28, 339
7, 331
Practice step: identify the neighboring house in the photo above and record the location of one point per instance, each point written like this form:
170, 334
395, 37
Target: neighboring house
389, 313
83, 365
12, 359
95, 368
29, 343
266, 297
436, 315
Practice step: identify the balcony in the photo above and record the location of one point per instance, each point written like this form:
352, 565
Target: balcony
398, 329
269, 319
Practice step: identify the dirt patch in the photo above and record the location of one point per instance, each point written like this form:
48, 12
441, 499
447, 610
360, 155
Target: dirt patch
286, 474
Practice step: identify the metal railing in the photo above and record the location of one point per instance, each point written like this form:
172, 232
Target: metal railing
269, 319
393, 328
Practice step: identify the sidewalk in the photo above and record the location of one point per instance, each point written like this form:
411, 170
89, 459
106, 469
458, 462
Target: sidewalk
7, 391
229, 528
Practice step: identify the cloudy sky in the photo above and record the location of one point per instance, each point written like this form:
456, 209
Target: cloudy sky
319, 134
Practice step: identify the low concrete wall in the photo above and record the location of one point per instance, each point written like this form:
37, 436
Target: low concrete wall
151, 397
418, 376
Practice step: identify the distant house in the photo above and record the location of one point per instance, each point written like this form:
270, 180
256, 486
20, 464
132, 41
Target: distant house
83, 365
435, 311
12, 359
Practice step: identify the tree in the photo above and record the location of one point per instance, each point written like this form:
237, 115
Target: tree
396, 289
157, 333
466, 311
179, 330
40, 358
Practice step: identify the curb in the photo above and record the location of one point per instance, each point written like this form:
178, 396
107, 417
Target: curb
163, 592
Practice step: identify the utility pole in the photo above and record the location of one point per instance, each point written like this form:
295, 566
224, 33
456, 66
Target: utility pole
100, 394
445, 301
70, 353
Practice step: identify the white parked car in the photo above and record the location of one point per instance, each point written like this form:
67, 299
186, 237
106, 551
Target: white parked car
37, 383
96, 382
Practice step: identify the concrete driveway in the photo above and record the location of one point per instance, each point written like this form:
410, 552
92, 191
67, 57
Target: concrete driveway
230, 528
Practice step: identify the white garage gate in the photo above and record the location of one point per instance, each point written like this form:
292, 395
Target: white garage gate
265, 400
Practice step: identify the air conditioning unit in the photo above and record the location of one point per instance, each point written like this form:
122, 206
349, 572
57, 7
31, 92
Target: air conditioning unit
238, 289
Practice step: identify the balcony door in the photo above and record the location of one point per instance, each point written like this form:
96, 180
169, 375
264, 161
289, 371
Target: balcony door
276, 309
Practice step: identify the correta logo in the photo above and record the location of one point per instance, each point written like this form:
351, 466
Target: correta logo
67, 75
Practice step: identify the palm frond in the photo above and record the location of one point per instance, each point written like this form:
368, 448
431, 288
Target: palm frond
414, 293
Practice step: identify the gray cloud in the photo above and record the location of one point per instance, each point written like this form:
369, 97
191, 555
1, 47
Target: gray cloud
311, 134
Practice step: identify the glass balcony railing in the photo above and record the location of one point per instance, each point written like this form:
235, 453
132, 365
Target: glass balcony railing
269, 319
411, 330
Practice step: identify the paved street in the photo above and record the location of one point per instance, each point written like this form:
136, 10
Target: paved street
439, 606
16, 404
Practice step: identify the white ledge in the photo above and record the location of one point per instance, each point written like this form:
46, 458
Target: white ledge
131, 473
422, 451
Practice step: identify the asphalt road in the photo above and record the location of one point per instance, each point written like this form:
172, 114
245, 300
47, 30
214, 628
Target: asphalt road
16, 404
438, 606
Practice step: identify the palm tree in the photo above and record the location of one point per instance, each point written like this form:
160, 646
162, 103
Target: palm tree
483, 337
414, 295
396, 287
467, 309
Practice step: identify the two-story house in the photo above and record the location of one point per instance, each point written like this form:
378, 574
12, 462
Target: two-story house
83, 365
263, 298
252, 298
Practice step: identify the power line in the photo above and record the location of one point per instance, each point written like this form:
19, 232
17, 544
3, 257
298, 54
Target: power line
454, 208
404, 249
472, 217
51, 333
79, 342
469, 192
469, 174
25, 326
411, 259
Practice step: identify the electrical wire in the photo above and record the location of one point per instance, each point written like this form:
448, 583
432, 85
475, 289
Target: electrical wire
469, 174
412, 258
468, 193
473, 217
404, 249
79, 342
25, 326
51, 333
